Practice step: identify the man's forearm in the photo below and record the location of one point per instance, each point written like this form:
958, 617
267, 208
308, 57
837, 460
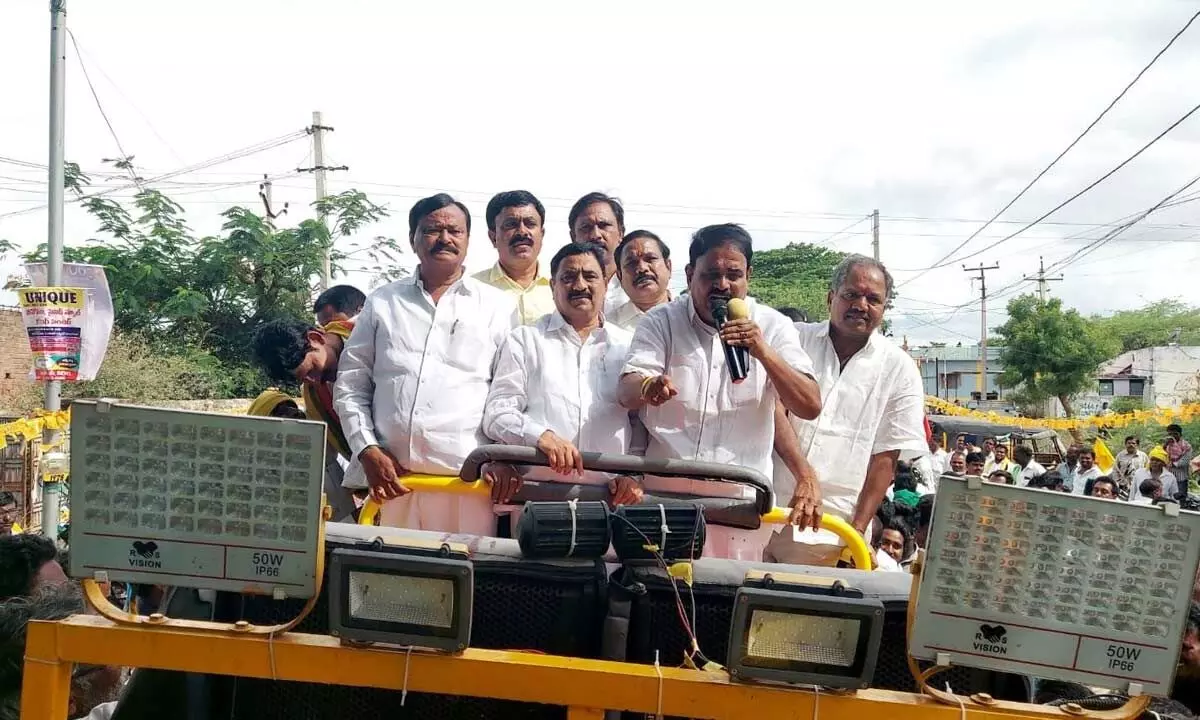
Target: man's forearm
787, 446
881, 473
629, 391
798, 392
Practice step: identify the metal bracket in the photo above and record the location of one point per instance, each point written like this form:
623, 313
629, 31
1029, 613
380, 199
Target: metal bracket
103, 405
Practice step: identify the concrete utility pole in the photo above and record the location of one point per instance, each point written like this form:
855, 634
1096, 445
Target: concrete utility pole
983, 358
1042, 279
875, 232
265, 193
51, 493
319, 168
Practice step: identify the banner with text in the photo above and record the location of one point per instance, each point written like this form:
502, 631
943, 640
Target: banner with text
54, 321
98, 313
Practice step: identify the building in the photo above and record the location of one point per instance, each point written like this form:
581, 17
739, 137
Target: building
952, 373
16, 361
1166, 376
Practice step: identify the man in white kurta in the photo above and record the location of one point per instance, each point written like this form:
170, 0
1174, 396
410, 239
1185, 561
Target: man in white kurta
413, 377
872, 411
556, 382
676, 375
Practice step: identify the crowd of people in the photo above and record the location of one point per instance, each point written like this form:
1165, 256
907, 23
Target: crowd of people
1135, 476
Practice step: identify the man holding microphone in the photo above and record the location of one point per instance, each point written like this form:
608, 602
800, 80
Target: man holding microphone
678, 377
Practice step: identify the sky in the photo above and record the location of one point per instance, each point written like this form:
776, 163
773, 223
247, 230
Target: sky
796, 119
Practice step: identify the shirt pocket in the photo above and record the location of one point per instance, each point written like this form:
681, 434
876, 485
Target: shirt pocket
470, 348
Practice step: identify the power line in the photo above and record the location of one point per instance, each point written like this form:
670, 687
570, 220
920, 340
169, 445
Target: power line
227, 157
1069, 200
1067, 150
125, 160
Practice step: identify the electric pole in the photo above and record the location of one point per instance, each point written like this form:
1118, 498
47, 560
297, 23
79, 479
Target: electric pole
1042, 279
983, 358
319, 168
51, 491
267, 197
875, 233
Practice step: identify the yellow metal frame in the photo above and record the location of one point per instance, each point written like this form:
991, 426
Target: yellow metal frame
858, 549
586, 687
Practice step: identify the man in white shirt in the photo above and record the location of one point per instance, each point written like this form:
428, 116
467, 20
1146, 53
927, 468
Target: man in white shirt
676, 375
928, 468
872, 416
556, 382
1086, 470
516, 222
1030, 468
599, 218
1129, 461
644, 268
413, 377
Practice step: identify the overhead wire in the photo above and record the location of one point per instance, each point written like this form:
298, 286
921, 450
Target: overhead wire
218, 160
946, 258
125, 160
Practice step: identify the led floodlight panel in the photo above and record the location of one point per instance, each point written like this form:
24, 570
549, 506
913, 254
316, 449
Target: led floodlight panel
222, 502
1057, 586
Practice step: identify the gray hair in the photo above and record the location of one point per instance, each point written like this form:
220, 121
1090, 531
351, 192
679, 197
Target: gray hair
852, 261
51, 602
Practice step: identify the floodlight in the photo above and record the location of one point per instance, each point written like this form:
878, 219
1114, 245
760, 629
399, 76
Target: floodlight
676, 531
804, 631
1057, 586
218, 502
400, 599
564, 529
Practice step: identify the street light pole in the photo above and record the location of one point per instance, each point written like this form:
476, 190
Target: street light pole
51, 492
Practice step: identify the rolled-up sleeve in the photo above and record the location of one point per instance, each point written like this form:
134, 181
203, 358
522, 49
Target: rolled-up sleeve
903, 424
354, 391
647, 354
504, 417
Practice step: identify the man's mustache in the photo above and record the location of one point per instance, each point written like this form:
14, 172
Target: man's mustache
520, 240
440, 246
575, 295
645, 276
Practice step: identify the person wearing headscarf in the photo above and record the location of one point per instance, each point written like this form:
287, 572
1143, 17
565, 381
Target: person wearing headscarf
1159, 470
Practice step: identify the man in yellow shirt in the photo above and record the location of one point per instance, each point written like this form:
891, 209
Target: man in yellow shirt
516, 225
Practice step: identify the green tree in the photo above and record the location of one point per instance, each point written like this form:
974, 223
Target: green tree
195, 297
136, 372
795, 276
1151, 326
1049, 351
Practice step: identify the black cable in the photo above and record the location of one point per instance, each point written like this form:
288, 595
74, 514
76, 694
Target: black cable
95, 96
946, 259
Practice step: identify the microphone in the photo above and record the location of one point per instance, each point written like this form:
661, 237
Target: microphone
736, 358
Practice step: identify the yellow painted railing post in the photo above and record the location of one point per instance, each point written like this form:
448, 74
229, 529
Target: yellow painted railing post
46, 688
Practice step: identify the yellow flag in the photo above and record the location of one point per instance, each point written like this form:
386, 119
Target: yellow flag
1104, 458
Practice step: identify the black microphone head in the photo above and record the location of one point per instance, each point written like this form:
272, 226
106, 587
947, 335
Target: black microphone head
719, 307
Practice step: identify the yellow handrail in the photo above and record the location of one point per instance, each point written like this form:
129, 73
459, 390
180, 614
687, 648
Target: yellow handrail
857, 547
